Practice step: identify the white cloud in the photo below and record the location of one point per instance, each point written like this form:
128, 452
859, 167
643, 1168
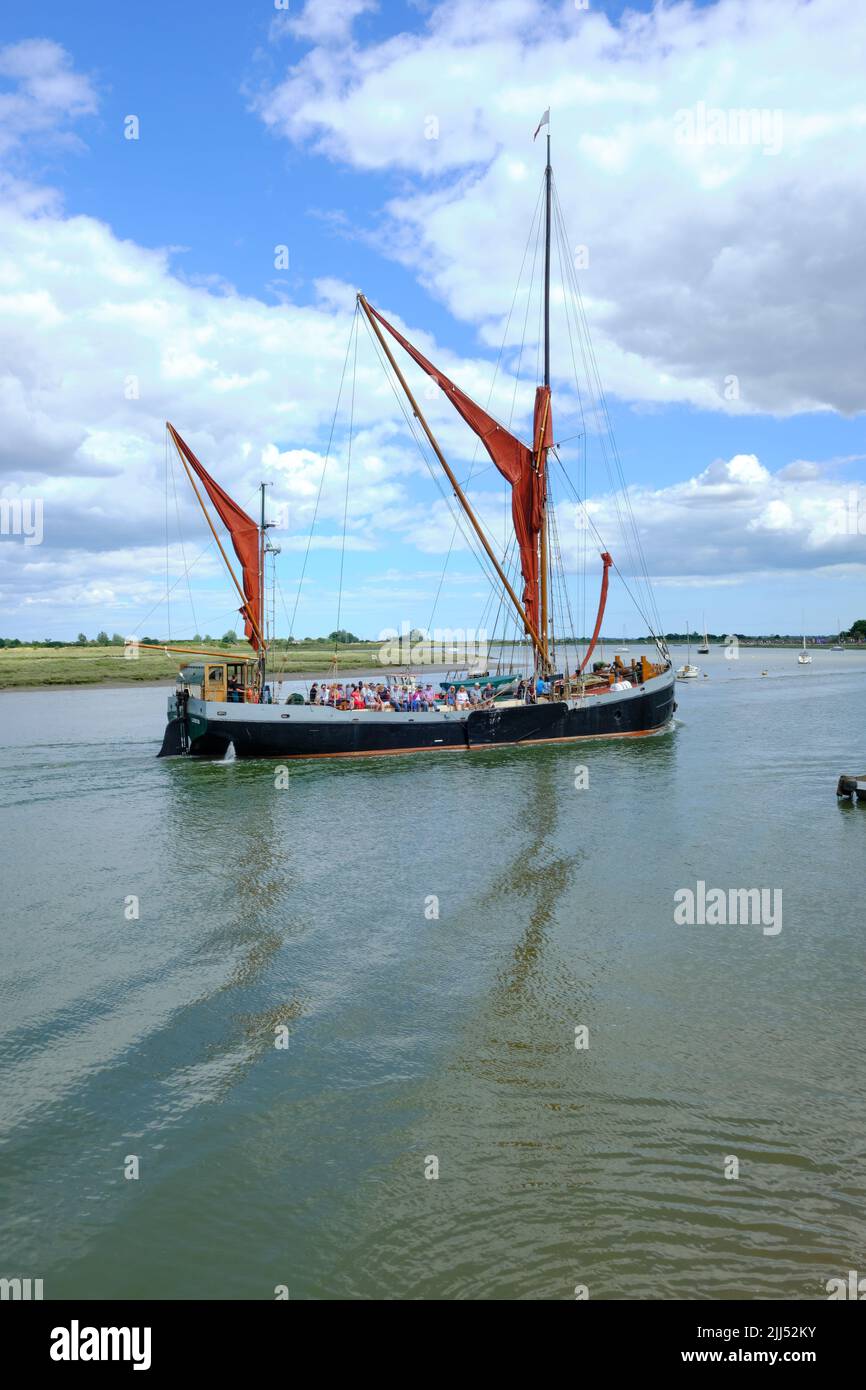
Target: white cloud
46, 94
736, 520
322, 21
709, 257
101, 342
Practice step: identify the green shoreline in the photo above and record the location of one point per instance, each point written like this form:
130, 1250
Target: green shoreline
37, 668
74, 667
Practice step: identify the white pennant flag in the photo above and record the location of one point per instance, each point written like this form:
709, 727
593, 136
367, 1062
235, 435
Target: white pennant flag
545, 120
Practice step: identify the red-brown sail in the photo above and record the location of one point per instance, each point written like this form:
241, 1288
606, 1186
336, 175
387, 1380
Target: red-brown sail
522, 468
607, 561
245, 540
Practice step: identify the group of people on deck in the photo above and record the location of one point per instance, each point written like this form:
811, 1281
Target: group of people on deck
615, 673
366, 695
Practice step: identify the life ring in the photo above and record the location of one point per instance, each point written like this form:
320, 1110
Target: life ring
251, 696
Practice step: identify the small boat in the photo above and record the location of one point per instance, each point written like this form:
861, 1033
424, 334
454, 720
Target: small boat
804, 658
852, 787
498, 682
704, 648
688, 672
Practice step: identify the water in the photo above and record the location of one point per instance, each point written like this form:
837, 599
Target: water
412, 1037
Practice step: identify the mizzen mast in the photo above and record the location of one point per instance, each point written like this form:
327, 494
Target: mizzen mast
263, 650
541, 457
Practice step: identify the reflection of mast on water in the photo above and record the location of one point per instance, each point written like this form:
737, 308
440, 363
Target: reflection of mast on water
252, 876
537, 875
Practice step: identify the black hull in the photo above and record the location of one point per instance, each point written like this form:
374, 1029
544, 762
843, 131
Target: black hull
598, 717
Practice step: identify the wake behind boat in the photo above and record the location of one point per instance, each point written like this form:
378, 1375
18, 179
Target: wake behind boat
225, 702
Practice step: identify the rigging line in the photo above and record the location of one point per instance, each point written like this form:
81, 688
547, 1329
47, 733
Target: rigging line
553, 577
346, 500
581, 567
179, 580
286, 641
629, 531
324, 470
615, 566
477, 444
279, 589
560, 572
535, 225
507, 562
539, 338
497, 364
562, 253
604, 411
167, 599
510, 622
465, 486
480, 474
472, 541
519, 366
496, 593
210, 545
182, 546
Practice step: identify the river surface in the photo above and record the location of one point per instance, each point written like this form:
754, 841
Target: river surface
334, 989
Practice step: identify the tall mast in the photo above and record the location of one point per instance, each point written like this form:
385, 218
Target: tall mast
547, 201
262, 647
542, 556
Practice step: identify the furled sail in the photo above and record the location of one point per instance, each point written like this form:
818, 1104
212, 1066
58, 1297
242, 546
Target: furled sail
607, 561
245, 539
522, 467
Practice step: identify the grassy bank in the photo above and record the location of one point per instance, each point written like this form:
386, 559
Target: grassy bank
78, 665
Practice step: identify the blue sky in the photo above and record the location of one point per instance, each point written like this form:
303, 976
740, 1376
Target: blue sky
251, 136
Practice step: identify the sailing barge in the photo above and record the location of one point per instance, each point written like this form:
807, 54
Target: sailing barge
220, 703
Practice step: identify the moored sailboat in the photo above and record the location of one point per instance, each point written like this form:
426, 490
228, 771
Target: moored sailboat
838, 645
688, 672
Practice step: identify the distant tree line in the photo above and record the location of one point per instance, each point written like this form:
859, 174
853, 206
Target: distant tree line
342, 637
229, 639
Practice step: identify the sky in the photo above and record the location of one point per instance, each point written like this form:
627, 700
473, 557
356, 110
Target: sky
191, 196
